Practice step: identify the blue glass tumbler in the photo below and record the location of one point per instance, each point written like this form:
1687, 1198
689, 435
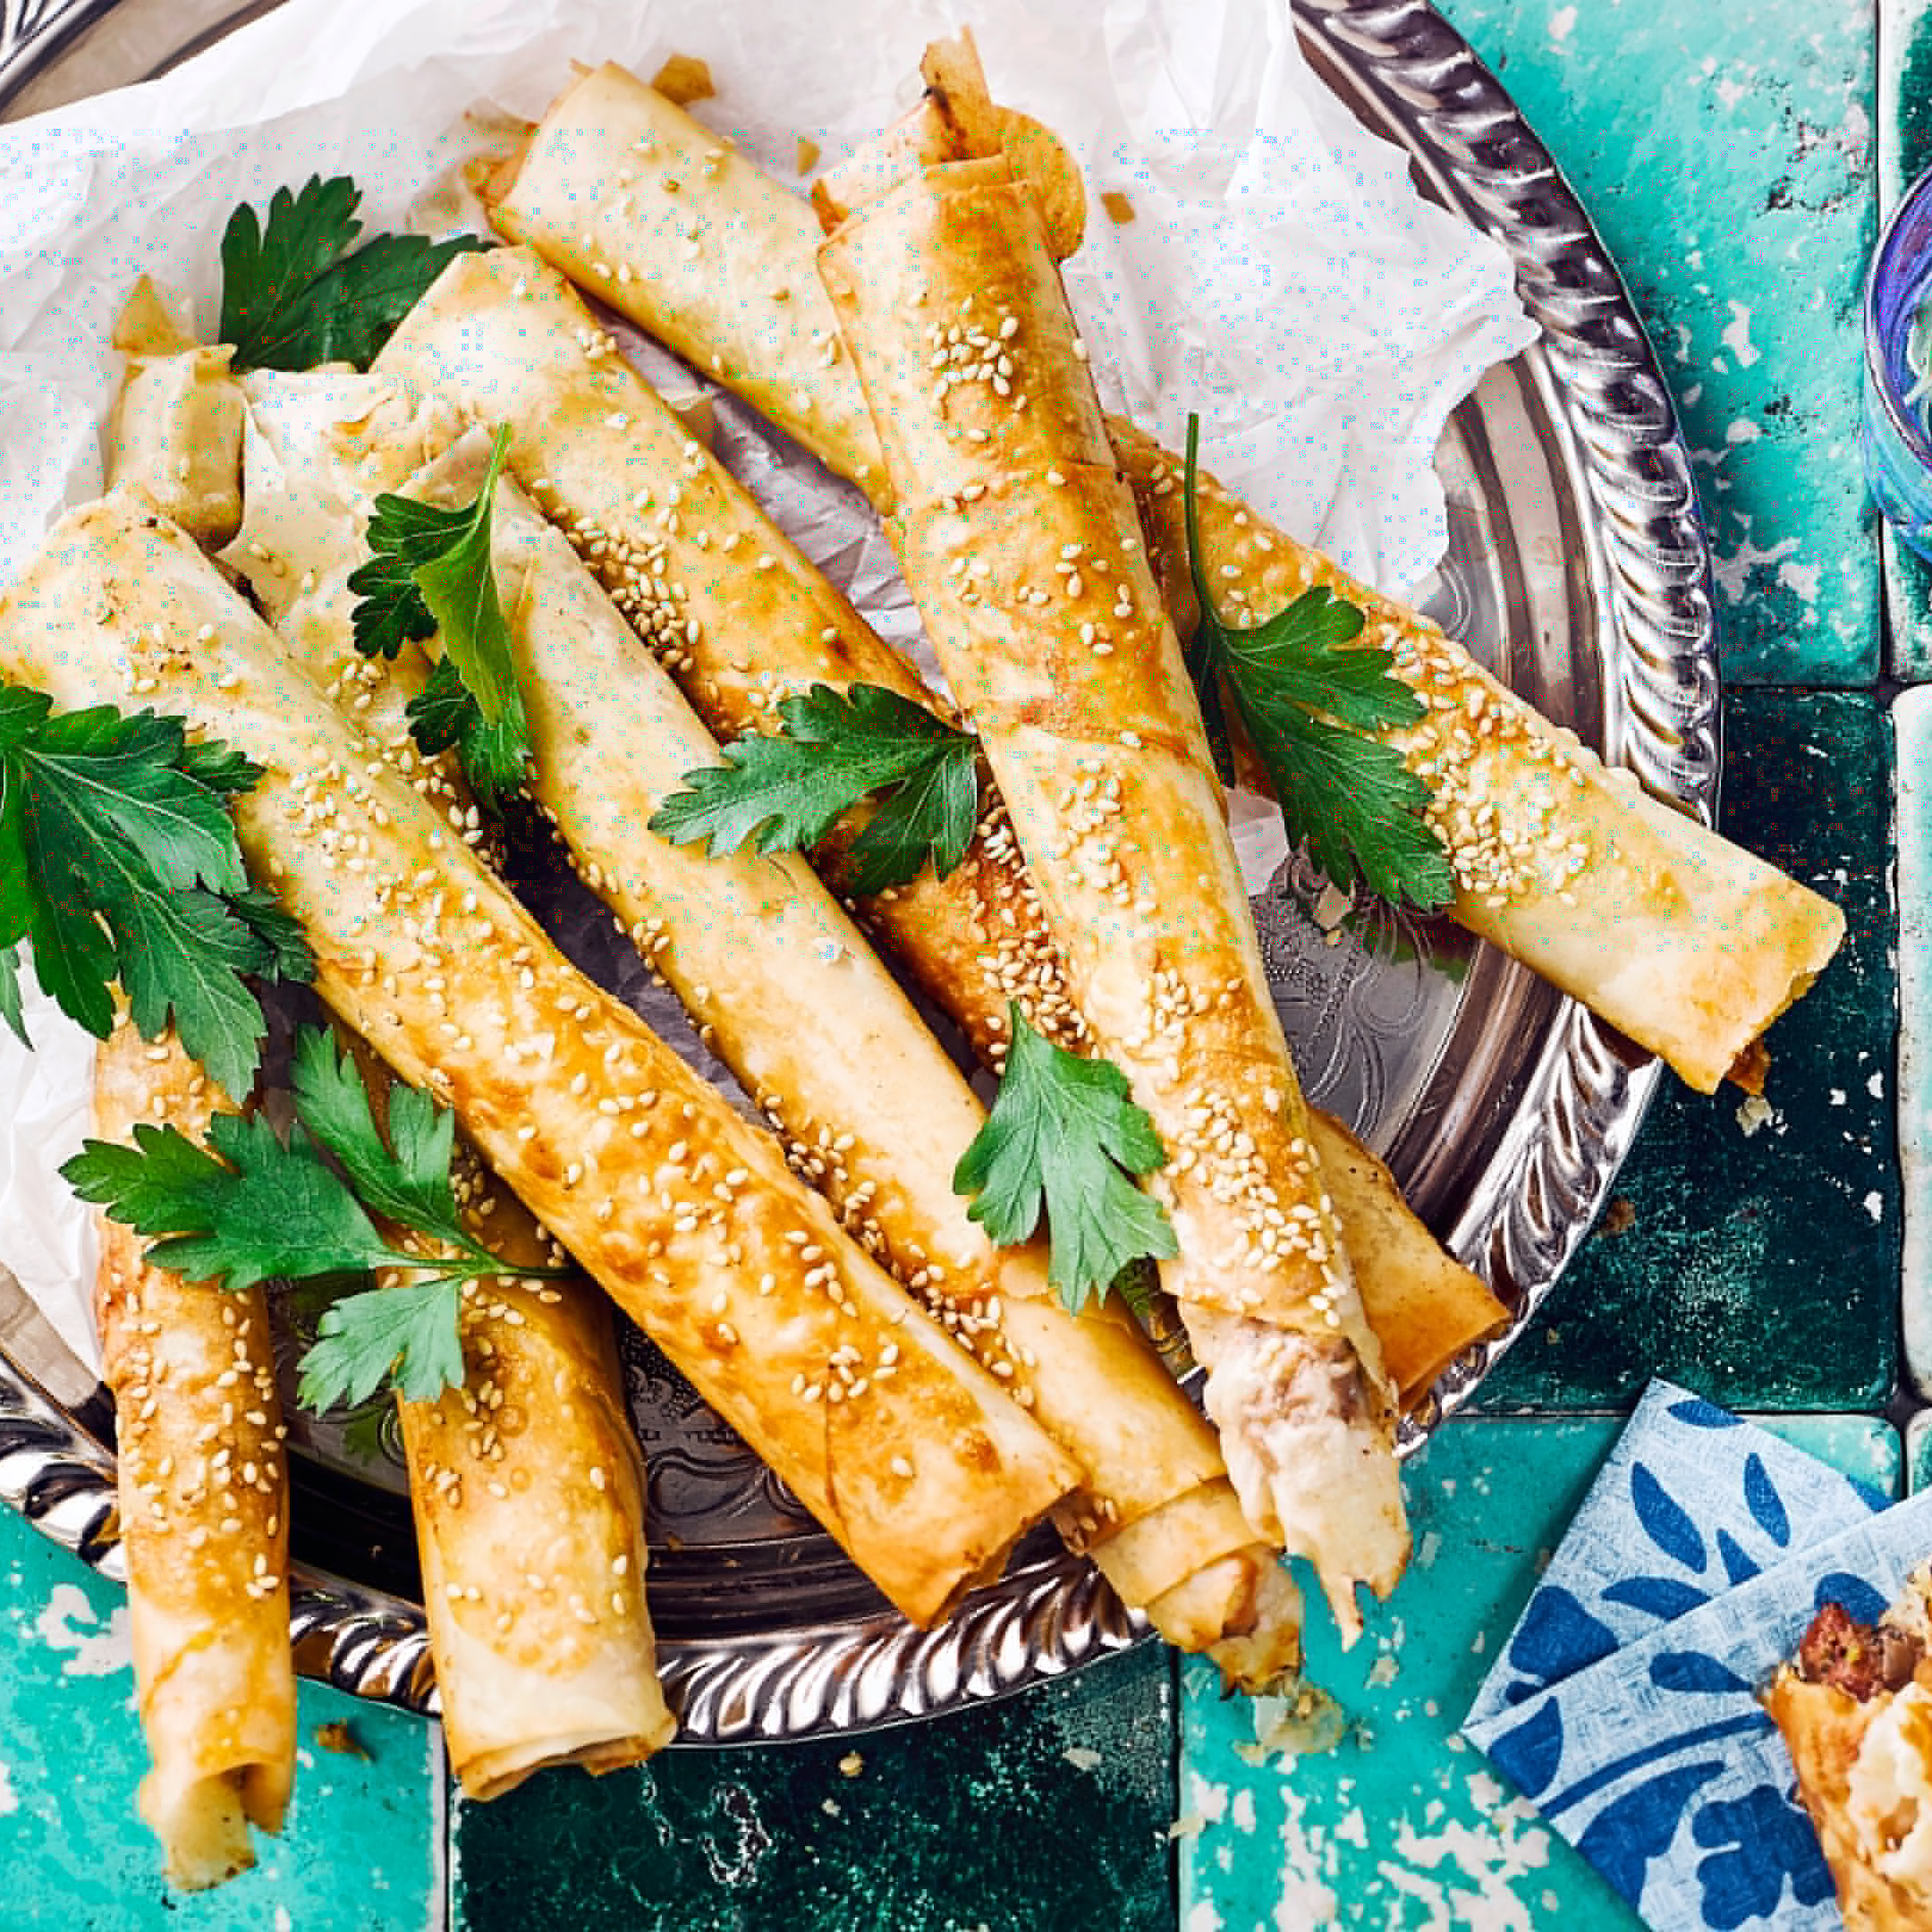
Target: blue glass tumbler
1897, 444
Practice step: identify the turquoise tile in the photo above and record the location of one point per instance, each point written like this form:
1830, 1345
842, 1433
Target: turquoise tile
1757, 1260
1049, 1810
1403, 1826
1911, 718
1919, 1451
1724, 154
359, 1853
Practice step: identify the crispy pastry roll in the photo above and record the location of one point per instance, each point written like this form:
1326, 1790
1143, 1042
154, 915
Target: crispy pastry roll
908, 1452
1681, 939
204, 1507
790, 995
175, 432
1021, 545
505, 337
1854, 1708
527, 1489
1547, 844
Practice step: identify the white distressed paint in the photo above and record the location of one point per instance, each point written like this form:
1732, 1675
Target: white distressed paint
1736, 337
96, 1653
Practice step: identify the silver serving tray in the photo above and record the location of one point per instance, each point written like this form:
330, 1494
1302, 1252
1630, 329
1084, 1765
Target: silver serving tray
1578, 569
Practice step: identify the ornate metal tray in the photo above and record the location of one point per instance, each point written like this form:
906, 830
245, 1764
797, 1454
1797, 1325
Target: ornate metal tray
1578, 568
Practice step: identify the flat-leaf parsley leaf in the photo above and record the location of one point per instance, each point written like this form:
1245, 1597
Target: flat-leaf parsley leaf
429, 572
1310, 697
250, 1208
118, 860
1063, 1136
785, 792
294, 295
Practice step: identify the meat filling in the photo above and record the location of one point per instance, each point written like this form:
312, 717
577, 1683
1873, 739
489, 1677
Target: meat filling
1860, 1659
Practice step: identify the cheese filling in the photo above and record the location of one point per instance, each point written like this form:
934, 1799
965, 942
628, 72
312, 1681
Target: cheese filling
1891, 1791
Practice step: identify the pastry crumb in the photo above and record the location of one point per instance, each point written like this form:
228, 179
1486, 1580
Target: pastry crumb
1120, 210
684, 78
808, 152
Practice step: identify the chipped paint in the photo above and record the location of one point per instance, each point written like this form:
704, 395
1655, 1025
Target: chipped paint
95, 1653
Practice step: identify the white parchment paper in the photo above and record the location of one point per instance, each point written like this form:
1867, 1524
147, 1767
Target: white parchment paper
1280, 276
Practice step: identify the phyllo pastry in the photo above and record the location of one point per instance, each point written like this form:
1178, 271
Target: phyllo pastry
203, 1482
1854, 1707
1021, 545
1554, 857
788, 993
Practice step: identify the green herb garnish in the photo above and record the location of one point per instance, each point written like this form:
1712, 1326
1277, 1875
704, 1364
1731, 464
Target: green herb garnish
118, 861
294, 295
1309, 698
249, 1207
430, 574
785, 792
1065, 1137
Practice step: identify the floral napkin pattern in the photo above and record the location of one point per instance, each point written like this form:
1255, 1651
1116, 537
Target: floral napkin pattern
1625, 1704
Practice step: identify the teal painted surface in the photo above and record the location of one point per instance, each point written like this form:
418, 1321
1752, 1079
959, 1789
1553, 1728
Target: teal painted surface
1048, 1813
1403, 1826
1725, 156
1758, 1261
358, 1851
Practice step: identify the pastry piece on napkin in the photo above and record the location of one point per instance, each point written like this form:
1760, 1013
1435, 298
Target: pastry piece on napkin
1660, 1762
1854, 1708
1690, 1502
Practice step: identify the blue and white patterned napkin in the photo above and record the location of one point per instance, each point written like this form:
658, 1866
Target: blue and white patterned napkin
1691, 1502
1654, 1758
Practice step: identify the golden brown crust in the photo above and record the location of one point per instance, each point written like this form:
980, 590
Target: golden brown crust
1018, 543
504, 334
925, 1473
1682, 940
624, 219
204, 1507
527, 1491
1424, 1306
1823, 1728
175, 429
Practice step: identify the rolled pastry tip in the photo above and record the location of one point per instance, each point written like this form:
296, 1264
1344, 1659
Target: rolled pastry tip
203, 1485
175, 431
527, 1489
682, 1211
1714, 983
504, 337
1679, 938
601, 183
789, 994
1021, 545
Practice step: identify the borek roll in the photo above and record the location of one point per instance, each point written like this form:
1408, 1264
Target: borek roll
203, 1483
1021, 544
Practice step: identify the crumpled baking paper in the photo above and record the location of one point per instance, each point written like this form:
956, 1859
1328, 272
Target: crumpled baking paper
1280, 276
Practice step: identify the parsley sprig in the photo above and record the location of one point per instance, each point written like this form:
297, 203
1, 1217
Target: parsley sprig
1310, 697
294, 295
785, 792
1065, 1137
250, 1208
430, 573
118, 861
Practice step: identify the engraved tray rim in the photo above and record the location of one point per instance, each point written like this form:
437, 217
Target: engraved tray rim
1414, 78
